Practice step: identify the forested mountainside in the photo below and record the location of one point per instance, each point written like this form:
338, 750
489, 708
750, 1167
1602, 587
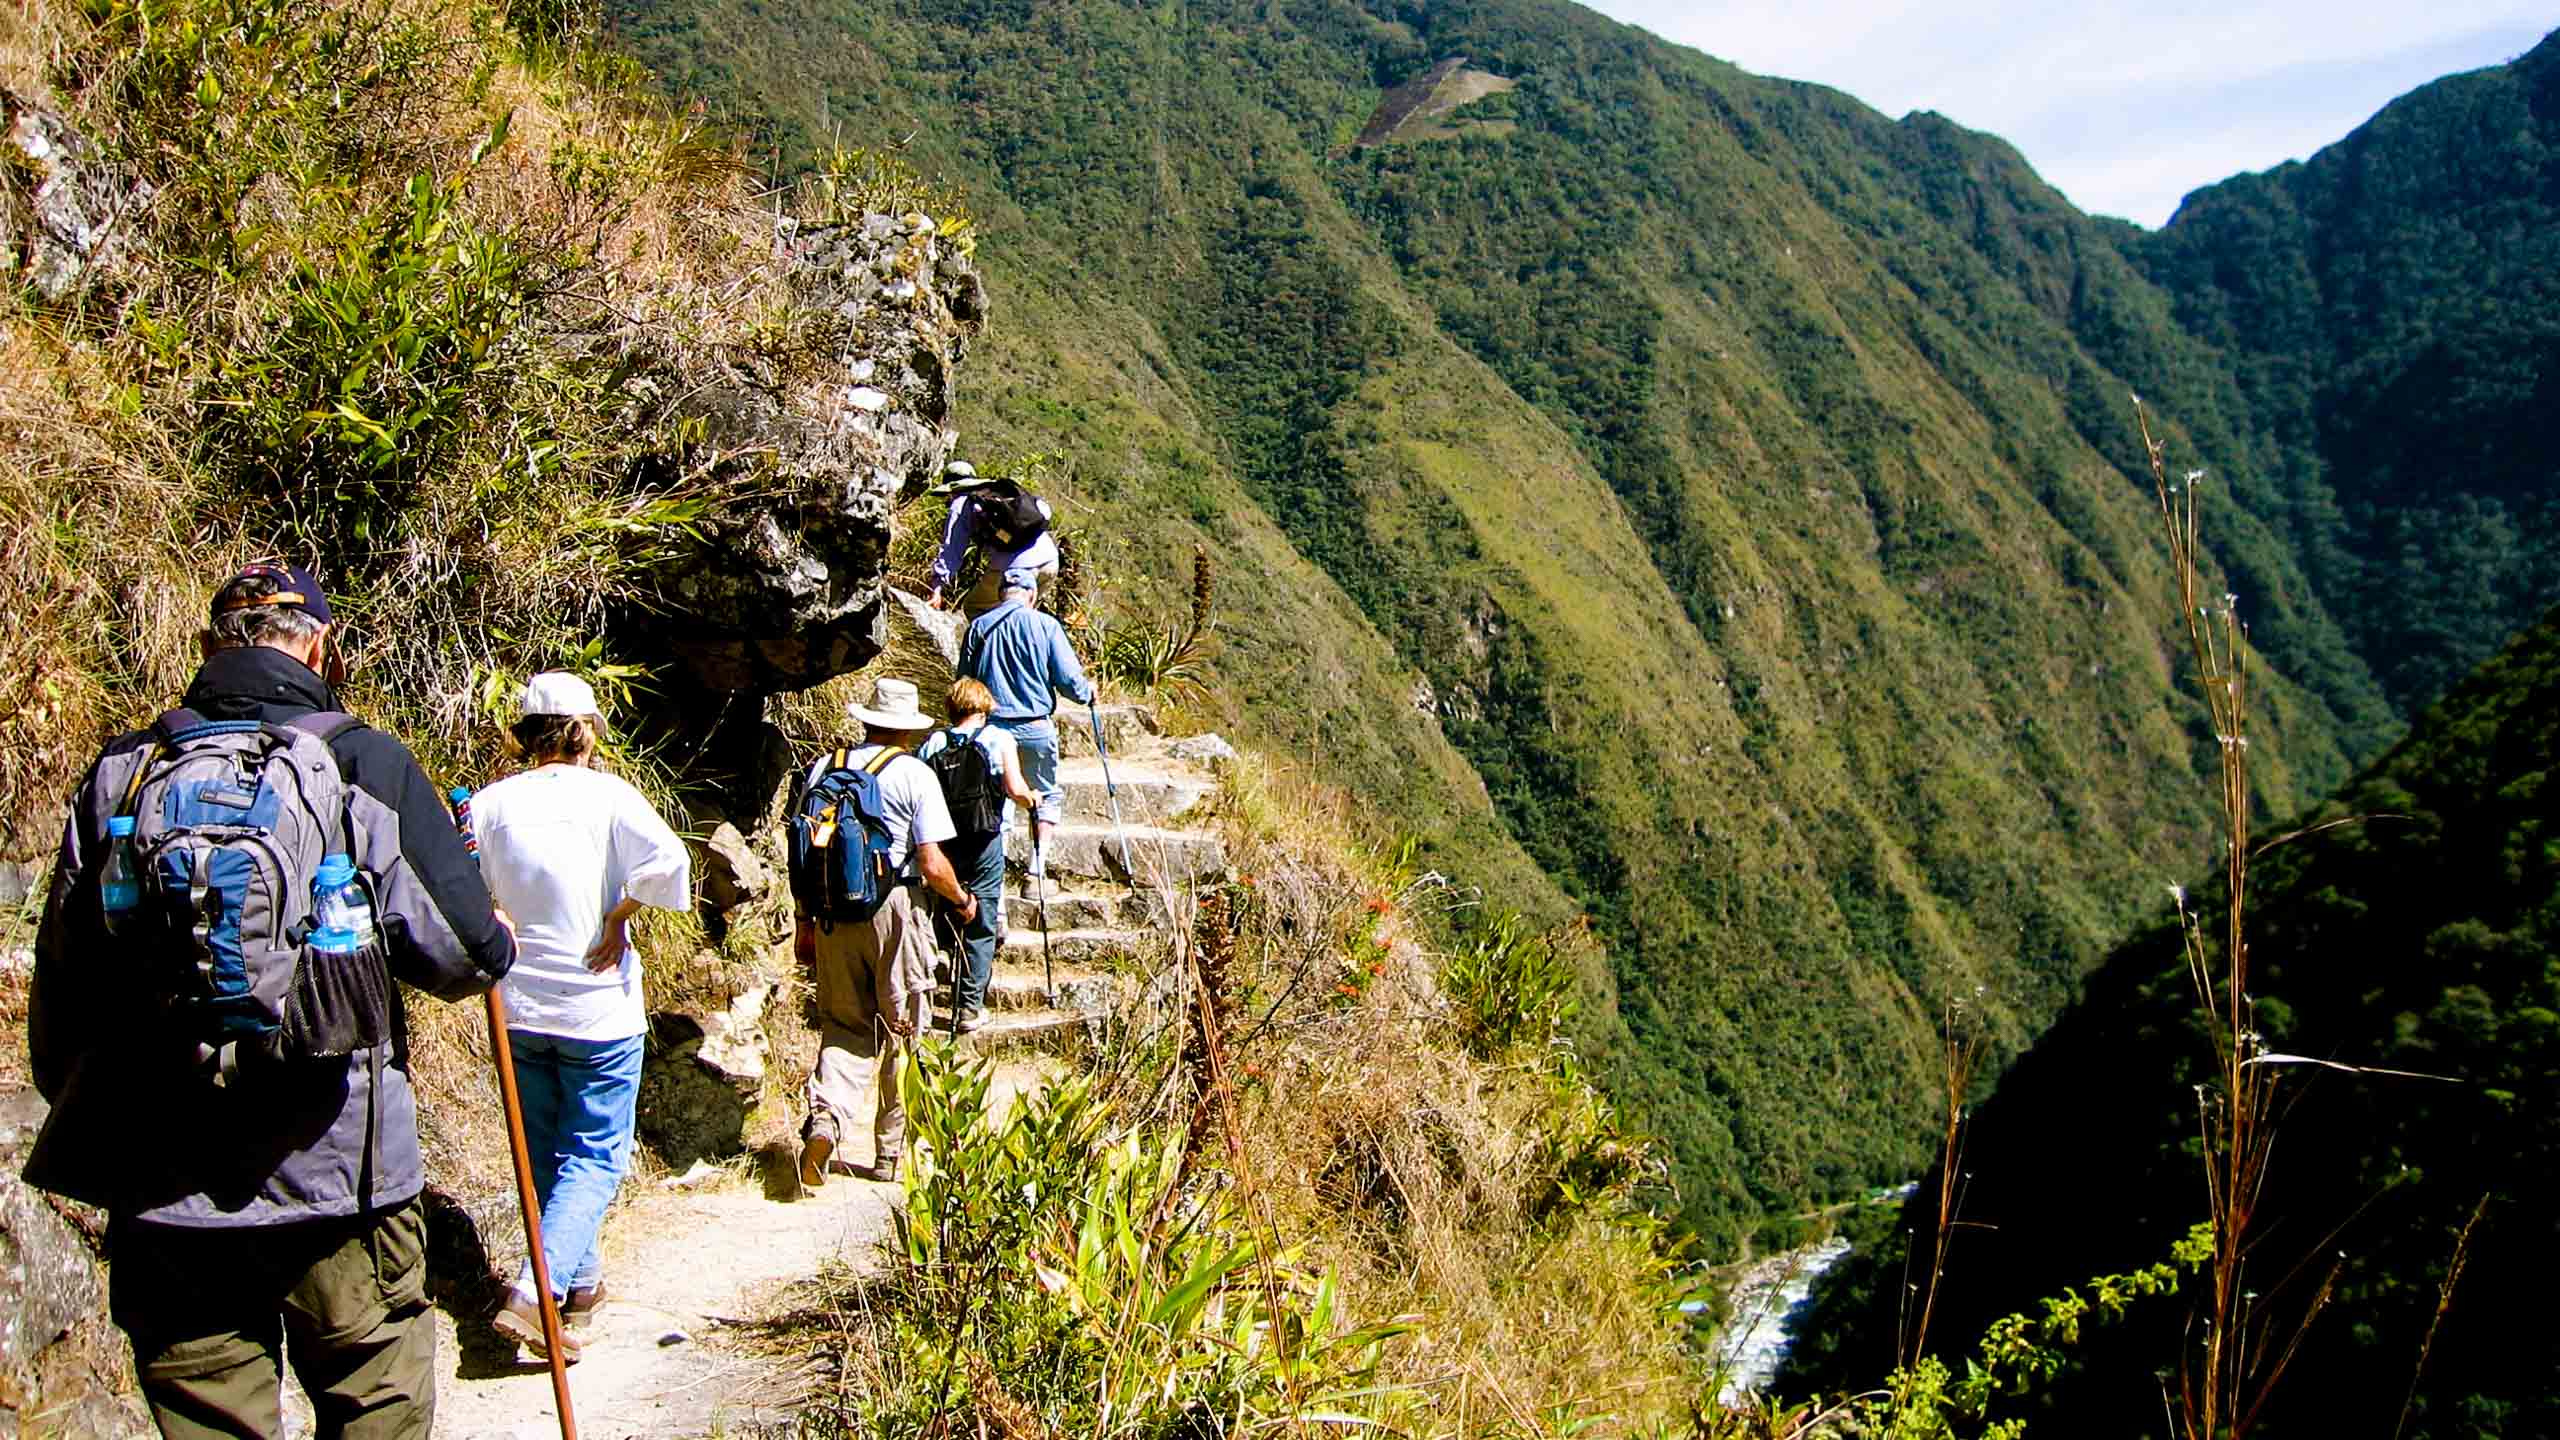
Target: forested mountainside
2390, 309
1684, 497
2425, 939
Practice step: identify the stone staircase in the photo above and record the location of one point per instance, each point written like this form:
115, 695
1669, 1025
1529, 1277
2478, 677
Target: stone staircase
1103, 889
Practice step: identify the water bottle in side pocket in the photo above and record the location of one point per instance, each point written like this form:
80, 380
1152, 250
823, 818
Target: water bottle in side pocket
120, 880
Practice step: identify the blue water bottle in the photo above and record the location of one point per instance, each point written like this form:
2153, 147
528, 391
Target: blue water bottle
340, 907
459, 798
120, 880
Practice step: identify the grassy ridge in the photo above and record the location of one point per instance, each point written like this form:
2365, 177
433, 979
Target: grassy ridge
1750, 528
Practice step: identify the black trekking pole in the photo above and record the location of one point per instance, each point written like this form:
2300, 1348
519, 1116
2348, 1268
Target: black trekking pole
1112, 791
948, 929
1040, 898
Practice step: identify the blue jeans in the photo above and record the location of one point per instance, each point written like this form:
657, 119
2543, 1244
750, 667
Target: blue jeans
581, 1102
980, 866
1037, 742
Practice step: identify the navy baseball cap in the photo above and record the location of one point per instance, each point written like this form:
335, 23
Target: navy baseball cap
272, 582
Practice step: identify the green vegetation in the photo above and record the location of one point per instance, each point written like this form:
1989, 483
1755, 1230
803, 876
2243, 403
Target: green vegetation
1692, 500
1309, 1196
2410, 925
2390, 310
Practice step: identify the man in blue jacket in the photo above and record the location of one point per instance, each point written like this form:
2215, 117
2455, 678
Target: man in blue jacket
272, 1208
1023, 658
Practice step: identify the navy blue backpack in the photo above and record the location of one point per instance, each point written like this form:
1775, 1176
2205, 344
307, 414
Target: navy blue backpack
840, 842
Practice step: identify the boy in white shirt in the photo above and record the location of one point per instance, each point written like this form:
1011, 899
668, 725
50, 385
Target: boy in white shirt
571, 854
874, 977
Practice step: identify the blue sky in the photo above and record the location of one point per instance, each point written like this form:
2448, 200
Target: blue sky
2123, 107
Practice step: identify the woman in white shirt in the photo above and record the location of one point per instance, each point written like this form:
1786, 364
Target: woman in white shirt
572, 853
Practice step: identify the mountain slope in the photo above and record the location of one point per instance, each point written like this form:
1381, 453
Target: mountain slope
2391, 309
2426, 939
1670, 501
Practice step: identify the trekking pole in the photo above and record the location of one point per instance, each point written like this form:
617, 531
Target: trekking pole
502, 1055
505, 1058
1040, 898
948, 929
1112, 791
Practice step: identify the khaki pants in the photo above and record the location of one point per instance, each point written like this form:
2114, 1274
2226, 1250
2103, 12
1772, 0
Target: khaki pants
867, 970
211, 1312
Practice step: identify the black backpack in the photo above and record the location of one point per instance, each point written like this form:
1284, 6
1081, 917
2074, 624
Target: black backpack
970, 790
1010, 515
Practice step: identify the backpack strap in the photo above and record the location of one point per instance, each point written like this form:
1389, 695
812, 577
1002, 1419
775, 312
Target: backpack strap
328, 725
164, 734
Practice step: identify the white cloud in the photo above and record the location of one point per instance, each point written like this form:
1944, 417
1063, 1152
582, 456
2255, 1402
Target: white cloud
2123, 106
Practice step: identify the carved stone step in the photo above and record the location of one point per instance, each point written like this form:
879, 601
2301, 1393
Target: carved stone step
1056, 1032
1148, 795
1080, 852
1025, 987
1125, 728
1071, 947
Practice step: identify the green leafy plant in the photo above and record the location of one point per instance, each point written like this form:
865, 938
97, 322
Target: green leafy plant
1512, 983
1113, 1290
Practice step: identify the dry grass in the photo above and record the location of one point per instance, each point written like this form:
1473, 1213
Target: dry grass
1427, 1178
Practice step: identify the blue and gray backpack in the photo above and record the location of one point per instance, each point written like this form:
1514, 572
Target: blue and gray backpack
231, 820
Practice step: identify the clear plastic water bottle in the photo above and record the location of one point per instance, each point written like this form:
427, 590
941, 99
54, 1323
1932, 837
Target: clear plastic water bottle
340, 907
120, 881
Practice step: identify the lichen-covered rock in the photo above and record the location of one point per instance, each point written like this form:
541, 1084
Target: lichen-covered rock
704, 1075
66, 216
50, 1288
826, 417
732, 874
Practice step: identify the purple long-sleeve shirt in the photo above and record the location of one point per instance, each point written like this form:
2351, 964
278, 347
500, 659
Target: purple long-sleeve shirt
962, 529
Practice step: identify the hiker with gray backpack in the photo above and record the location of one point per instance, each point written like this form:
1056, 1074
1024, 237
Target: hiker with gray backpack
213, 1021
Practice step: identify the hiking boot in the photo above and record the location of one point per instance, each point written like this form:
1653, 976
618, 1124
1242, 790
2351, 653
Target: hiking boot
584, 1302
882, 1171
814, 1154
520, 1320
971, 1021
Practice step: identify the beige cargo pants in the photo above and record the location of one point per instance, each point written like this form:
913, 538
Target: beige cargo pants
866, 971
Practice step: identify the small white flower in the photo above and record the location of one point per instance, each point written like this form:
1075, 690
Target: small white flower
2179, 894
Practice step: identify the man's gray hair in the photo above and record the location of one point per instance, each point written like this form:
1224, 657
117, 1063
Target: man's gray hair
278, 625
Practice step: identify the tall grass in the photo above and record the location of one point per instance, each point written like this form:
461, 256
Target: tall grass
2244, 1340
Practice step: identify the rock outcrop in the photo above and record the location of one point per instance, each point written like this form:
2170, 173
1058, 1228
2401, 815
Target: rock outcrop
66, 215
828, 429
59, 1363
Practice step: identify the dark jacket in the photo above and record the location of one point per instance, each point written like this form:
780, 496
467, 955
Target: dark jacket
136, 1126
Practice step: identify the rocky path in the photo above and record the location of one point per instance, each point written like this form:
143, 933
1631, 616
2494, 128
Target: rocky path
686, 1265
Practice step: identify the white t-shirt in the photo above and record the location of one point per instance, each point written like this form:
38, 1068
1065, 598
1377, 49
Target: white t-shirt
560, 846
911, 797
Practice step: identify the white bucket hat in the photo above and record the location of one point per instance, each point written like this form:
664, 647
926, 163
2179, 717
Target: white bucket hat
893, 707
556, 692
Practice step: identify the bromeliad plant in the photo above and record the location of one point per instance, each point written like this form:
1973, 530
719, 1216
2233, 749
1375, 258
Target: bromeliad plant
1115, 1290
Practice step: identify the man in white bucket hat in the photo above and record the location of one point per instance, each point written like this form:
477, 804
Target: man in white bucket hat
874, 977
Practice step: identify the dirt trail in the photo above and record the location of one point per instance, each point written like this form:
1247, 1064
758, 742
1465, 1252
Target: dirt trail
690, 1263
693, 1263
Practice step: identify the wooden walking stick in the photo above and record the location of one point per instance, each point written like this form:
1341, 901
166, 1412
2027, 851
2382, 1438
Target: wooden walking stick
502, 1055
